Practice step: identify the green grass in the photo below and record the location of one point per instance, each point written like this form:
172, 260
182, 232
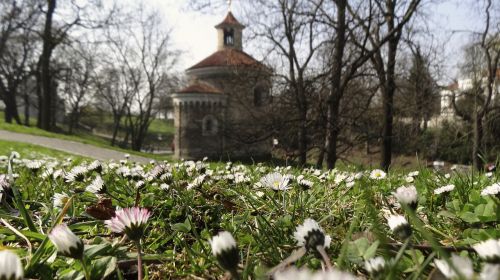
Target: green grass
351, 208
33, 151
80, 137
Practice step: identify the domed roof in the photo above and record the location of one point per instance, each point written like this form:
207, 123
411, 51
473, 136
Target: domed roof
227, 57
199, 87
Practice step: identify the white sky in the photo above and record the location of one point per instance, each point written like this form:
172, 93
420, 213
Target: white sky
194, 32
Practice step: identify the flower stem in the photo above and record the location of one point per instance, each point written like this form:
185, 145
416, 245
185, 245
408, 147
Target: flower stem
325, 257
85, 268
139, 260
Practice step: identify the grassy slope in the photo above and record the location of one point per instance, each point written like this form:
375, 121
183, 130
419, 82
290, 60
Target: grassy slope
82, 138
33, 151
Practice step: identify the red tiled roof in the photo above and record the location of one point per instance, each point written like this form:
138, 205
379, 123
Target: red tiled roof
230, 20
199, 88
227, 57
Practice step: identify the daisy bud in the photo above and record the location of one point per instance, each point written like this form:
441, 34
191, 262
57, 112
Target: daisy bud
488, 250
132, 221
311, 235
225, 250
408, 196
462, 264
10, 266
66, 242
375, 265
399, 226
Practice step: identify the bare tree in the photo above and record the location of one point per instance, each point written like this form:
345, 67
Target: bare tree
17, 45
292, 29
114, 88
145, 51
55, 33
76, 75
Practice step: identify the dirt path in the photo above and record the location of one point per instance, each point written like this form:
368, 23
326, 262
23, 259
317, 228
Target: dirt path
70, 147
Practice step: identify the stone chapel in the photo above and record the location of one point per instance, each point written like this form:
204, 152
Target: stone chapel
223, 111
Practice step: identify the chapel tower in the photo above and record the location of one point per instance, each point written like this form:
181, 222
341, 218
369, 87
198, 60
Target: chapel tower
221, 112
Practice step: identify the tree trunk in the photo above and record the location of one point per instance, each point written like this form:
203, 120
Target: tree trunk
303, 137
388, 92
11, 112
26, 109
333, 101
116, 125
477, 141
321, 158
45, 75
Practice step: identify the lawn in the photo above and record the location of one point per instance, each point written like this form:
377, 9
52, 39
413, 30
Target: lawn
361, 222
30, 151
80, 137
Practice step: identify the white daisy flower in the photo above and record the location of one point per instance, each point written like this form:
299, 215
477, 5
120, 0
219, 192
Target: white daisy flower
407, 195
225, 250
413, 173
488, 250
462, 264
60, 199
97, 186
197, 182
399, 225
375, 265
77, 174
11, 267
14, 155
490, 272
444, 189
293, 273
311, 235
409, 179
34, 164
377, 174
95, 166
275, 181
306, 274
67, 243
491, 190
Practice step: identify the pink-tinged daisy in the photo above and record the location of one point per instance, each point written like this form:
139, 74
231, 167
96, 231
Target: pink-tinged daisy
66, 242
10, 266
131, 221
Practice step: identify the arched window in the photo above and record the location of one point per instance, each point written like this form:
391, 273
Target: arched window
229, 37
259, 94
209, 126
